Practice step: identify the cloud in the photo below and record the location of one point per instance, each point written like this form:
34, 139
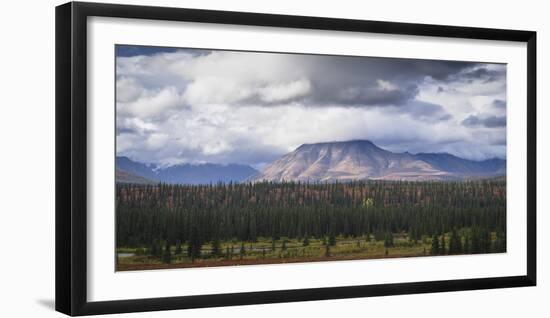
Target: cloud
280, 92
383, 94
259, 79
426, 111
482, 73
499, 104
190, 105
150, 104
489, 121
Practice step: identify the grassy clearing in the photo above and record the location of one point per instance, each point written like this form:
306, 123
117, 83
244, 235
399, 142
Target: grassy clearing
266, 251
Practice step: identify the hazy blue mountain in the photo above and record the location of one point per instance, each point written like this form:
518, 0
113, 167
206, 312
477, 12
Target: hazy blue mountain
454, 164
184, 173
205, 173
362, 159
136, 168
128, 177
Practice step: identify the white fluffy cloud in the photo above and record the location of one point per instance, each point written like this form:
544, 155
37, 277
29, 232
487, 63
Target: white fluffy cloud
227, 107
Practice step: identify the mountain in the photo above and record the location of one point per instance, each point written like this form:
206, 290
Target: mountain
127, 165
122, 176
127, 169
362, 159
205, 173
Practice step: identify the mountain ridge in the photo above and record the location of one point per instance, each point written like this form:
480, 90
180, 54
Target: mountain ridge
205, 173
363, 160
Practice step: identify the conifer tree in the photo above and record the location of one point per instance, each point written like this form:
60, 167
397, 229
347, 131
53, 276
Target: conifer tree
195, 245
388, 240
242, 252
227, 253
327, 250
466, 248
435, 245
500, 242
442, 245
167, 256
216, 247
367, 237
455, 244
475, 243
178, 250
332, 240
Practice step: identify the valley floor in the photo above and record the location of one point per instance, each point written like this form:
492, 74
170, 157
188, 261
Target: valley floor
265, 251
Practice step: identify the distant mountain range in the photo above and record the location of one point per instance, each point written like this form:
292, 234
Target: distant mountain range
362, 159
320, 162
122, 176
129, 171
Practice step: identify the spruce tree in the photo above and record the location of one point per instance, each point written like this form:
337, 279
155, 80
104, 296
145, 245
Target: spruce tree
379, 235
332, 240
466, 248
153, 249
327, 250
455, 244
388, 239
195, 244
242, 251
178, 250
227, 253
442, 246
500, 242
485, 241
216, 247
475, 243
435, 245
167, 256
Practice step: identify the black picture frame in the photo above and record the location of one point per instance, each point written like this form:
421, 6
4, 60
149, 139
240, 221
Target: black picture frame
71, 157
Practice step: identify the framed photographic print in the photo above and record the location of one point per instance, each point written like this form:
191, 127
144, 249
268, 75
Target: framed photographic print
209, 158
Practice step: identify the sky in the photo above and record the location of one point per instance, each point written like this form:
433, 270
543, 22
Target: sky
177, 106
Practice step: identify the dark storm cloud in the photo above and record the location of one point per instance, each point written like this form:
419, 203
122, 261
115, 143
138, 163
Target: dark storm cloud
439, 70
134, 50
424, 111
499, 104
481, 73
122, 50
495, 121
371, 81
489, 122
282, 79
126, 130
370, 94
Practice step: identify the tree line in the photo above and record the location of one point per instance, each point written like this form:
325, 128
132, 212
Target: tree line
471, 212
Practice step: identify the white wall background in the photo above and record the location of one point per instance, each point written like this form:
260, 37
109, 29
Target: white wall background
27, 158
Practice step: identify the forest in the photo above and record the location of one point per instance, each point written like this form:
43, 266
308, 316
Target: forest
168, 226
